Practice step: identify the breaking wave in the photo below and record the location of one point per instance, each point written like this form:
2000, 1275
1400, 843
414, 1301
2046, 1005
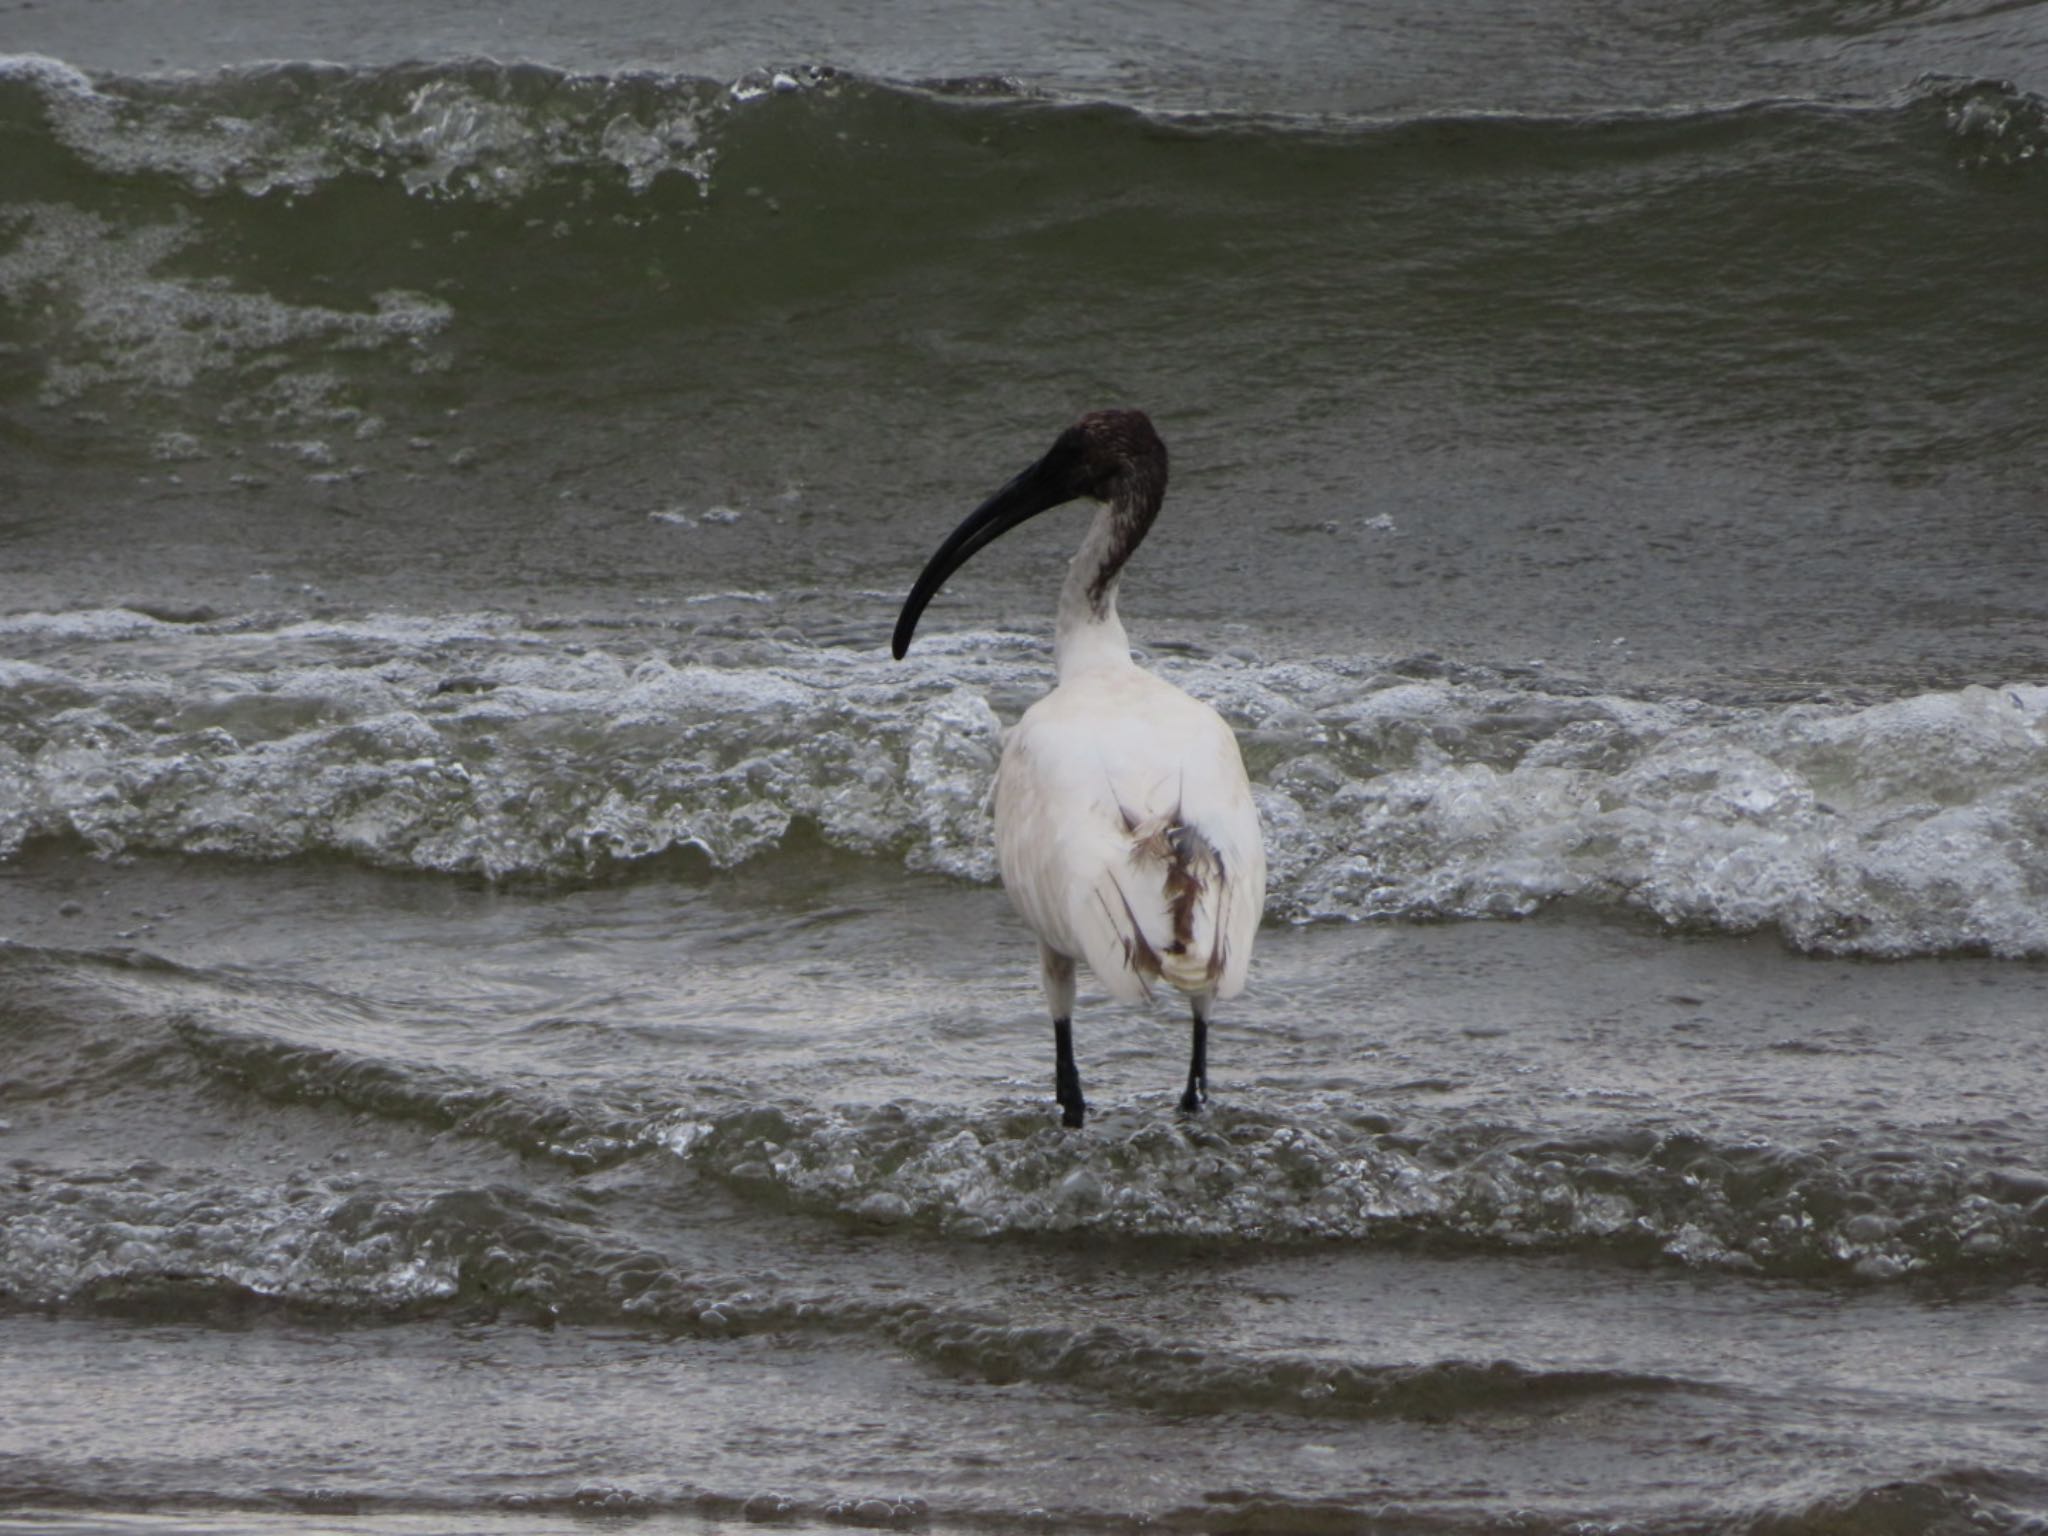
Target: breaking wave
1313, 1171
478, 130
251, 167
170, 1237
1333, 1174
1389, 789
494, 132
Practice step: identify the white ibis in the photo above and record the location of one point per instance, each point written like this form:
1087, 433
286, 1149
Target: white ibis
1125, 827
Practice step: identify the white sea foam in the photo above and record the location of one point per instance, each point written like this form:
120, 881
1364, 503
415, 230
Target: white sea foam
140, 324
470, 743
1310, 1174
482, 130
304, 1244
48, 74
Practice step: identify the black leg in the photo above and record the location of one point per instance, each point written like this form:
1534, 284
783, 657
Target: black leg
1066, 1077
1198, 1069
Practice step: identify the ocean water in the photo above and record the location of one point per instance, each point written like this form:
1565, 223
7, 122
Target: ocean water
507, 1020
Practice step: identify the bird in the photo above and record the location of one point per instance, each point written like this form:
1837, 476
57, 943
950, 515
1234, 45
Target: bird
1125, 827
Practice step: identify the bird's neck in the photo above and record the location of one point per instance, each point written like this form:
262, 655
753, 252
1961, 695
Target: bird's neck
1088, 635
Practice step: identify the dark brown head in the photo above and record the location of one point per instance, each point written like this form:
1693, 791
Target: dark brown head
1110, 456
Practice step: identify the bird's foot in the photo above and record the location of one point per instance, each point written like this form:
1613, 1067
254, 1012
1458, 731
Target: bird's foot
1191, 1102
1073, 1108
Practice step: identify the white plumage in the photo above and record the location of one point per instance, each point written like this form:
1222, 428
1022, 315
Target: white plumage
1125, 826
1127, 836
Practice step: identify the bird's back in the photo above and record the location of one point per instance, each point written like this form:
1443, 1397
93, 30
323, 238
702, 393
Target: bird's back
1127, 834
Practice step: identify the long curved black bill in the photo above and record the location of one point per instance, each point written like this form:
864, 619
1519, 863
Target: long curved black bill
1038, 489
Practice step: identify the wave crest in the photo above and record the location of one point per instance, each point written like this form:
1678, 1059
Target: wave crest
1832, 1211
471, 745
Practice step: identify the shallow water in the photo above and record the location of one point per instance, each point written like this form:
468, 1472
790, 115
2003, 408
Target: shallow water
585, 1190
506, 1015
